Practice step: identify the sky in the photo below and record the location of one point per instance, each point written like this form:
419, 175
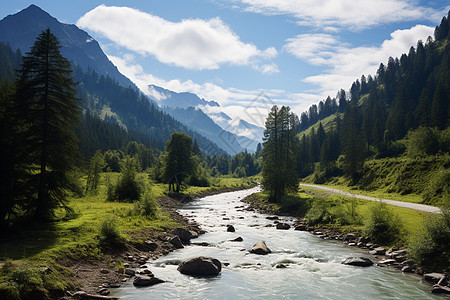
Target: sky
249, 54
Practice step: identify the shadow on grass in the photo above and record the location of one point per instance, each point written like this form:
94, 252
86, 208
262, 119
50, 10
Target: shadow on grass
27, 240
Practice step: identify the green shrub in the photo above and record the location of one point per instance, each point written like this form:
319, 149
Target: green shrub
340, 212
109, 233
430, 246
9, 291
147, 206
127, 188
383, 226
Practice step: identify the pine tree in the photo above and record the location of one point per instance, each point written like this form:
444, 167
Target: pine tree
280, 153
179, 160
46, 97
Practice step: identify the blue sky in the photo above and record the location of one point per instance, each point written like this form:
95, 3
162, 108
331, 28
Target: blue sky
295, 52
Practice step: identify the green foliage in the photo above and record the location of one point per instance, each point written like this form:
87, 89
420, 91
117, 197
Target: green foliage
338, 212
127, 188
109, 235
422, 141
430, 245
382, 225
96, 166
147, 206
178, 160
279, 155
437, 190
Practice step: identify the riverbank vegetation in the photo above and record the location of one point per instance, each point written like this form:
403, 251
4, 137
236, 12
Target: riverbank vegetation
426, 235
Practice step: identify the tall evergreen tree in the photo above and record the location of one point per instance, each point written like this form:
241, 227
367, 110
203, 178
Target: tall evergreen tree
279, 153
47, 101
179, 161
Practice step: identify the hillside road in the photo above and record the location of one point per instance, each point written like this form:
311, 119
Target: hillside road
415, 206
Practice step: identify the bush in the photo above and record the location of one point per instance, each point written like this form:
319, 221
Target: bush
430, 245
109, 234
340, 212
127, 188
422, 141
382, 225
147, 206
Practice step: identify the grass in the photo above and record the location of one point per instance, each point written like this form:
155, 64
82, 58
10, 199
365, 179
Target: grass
64, 241
411, 219
299, 204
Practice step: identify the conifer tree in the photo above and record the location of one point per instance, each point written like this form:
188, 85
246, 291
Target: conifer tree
179, 160
47, 101
279, 153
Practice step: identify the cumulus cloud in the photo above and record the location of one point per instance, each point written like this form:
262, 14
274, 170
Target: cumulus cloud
345, 64
192, 43
250, 105
349, 14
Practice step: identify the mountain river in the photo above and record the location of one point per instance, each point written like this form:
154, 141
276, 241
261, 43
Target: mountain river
314, 269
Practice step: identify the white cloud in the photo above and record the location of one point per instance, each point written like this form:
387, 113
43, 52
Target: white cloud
345, 64
350, 14
249, 105
191, 43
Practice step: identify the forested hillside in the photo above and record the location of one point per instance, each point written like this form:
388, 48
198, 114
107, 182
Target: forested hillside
401, 111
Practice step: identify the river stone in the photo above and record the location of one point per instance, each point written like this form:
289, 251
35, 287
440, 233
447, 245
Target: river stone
184, 235
230, 228
260, 248
301, 227
283, 226
433, 277
130, 272
358, 261
238, 239
440, 289
151, 245
176, 242
272, 218
142, 280
200, 266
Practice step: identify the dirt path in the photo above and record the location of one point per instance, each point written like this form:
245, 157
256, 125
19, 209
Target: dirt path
415, 206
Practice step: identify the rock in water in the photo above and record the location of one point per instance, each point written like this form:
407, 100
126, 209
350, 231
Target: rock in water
141, 280
358, 261
176, 242
200, 266
283, 226
184, 235
231, 228
260, 248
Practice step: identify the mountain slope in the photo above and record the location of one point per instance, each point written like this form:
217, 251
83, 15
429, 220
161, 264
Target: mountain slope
21, 29
232, 135
167, 98
198, 121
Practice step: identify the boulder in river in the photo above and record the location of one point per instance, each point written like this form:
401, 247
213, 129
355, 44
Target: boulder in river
434, 277
230, 228
184, 235
358, 261
238, 239
142, 280
200, 266
283, 226
176, 242
260, 248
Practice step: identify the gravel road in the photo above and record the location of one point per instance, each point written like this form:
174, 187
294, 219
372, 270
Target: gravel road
415, 206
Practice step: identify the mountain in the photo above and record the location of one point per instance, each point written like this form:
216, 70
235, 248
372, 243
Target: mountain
198, 121
177, 100
106, 93
21, 29
206, 118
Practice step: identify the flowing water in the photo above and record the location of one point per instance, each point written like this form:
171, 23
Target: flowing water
314, 269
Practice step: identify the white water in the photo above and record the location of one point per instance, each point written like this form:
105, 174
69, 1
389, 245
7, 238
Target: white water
314, 271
